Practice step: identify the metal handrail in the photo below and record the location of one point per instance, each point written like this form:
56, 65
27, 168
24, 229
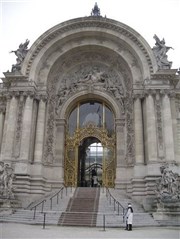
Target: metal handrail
44, 200
57, 194
115, 202
41, 202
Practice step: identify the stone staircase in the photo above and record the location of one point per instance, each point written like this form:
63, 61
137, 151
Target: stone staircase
114, 215
53, 210
82, 208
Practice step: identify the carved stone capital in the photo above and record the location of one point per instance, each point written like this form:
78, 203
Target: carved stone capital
148, 92
120, 122
138, 96
29, 94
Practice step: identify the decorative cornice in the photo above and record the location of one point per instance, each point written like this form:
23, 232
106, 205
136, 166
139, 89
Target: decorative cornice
88, 22
14, 76
167, 75
154, 92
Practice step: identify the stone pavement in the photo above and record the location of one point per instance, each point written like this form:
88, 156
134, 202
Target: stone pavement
21, 231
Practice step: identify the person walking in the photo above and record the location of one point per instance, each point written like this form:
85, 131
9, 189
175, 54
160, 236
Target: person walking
129, 217
95, 181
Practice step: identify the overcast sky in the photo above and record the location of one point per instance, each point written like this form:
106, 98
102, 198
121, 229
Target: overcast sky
28, 19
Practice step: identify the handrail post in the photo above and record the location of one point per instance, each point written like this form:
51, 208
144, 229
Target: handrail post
118, 208
61, 193
44, 221
123, 215
104, 222
42, 206
34, 213
114, 205
57, 198
51, 204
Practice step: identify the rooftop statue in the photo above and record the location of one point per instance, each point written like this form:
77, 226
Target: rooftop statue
20, 53
95, 11
160, 49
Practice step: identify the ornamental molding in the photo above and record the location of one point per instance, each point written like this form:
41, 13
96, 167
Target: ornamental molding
36, 95
167, 76
84, 23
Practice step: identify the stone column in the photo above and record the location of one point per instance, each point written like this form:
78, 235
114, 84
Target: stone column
5, 128
120, 141
9, 133
151, 137
1, 125
138, 126
39, 139
26, 129
175, 122
168, 129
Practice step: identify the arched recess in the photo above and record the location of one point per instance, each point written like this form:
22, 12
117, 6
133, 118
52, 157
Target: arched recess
73, 141
89, 74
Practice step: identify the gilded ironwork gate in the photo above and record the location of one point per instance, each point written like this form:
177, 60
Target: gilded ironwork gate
71, 154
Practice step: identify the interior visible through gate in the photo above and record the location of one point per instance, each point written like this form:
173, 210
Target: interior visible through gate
90, 163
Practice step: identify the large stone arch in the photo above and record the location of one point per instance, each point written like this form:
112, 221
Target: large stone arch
65, 54
89, 31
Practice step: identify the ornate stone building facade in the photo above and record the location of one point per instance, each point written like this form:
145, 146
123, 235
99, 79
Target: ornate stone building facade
88, 81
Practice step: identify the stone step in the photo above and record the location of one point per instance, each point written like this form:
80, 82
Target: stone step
81, 207
103, 210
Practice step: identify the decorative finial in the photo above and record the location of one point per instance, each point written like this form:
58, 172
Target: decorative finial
95, 11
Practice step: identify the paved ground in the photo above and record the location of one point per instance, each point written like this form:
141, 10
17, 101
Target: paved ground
21, 231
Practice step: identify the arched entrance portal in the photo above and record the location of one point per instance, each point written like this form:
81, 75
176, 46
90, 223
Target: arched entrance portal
90, 145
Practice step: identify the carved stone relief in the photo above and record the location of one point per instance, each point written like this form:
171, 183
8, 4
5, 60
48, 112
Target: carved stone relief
159, 126
130, 149
168, 185
18, 127
90, 73
6, 181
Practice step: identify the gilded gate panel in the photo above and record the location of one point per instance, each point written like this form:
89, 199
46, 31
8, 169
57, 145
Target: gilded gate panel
71, 154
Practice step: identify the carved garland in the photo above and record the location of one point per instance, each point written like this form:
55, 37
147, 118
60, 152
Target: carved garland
18, 127
158, 108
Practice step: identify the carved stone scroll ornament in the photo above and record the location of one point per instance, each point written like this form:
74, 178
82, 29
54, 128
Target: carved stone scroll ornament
6, 181
168, 185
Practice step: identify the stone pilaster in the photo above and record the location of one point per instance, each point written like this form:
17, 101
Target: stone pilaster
168, 129
174, 113
59, 147
138, 126
120, 141
26, 129
1, 126
39, 139
151, 137
9, 129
